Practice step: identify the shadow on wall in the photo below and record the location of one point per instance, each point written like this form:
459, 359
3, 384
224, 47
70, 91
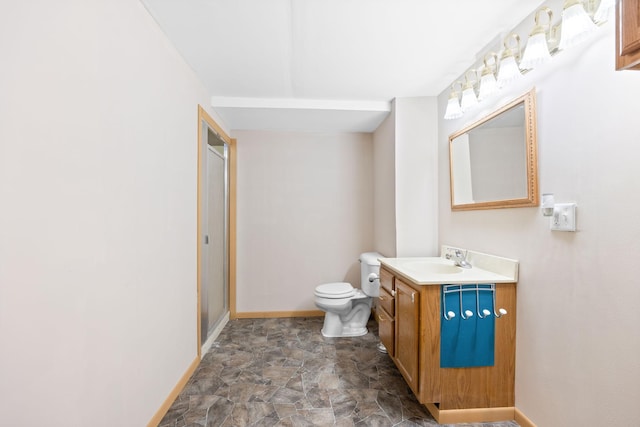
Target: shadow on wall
353, 274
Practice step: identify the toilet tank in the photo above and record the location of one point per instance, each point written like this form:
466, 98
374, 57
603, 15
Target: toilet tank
369, 264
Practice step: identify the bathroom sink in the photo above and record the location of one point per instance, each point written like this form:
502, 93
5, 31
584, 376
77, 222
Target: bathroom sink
485, 269
432, 266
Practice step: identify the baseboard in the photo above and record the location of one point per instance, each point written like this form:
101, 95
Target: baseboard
478, 415
273, 314
472, 415
522, 420
174, 394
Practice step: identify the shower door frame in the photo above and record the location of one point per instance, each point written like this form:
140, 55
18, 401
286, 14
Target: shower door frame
205, 119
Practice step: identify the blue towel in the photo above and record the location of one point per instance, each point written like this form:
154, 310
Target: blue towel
470, 342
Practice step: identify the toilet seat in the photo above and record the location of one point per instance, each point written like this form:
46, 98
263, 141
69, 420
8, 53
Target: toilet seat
337, 290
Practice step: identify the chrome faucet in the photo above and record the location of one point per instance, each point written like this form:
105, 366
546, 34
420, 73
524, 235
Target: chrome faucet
459, 259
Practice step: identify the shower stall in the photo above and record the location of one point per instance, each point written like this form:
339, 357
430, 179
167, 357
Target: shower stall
214, 229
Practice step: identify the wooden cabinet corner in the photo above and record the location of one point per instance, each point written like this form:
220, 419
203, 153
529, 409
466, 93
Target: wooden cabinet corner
628, 35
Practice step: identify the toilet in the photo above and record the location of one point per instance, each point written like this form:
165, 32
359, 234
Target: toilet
347, 308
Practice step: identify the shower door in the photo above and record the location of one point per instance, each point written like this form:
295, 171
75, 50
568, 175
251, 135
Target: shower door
214, 286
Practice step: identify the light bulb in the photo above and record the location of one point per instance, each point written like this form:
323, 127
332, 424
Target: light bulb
469, 99
488, 86
453, 107
604, 11
536, 52
576, 24
508, 71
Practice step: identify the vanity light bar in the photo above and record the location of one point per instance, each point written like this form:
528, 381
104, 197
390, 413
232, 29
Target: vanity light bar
576, 25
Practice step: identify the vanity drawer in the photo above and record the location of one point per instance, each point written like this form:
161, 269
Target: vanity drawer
386, 302
387, 281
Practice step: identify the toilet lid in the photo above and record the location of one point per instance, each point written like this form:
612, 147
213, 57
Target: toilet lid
335, 290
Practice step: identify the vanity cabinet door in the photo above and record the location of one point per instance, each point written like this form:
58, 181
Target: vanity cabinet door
628, 35
386, 330
407, 333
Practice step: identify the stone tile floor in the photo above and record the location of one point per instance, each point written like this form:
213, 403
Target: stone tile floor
283, 372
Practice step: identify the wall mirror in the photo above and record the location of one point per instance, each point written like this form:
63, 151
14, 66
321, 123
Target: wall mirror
493, 162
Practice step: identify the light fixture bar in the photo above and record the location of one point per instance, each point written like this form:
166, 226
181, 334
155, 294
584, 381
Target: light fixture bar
543, 42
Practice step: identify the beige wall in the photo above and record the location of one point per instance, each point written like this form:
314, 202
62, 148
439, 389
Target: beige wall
406, 174
98, 123
416, 177
384, 159
305, 213
577, 334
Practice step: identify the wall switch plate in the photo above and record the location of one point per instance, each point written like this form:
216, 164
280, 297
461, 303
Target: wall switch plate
564, 217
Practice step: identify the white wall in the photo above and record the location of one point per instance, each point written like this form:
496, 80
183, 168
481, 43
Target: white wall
304, 215
416, 176
577, 327
406, 174
98, 153
384, 158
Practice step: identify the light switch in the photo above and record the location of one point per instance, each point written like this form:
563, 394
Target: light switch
564, 217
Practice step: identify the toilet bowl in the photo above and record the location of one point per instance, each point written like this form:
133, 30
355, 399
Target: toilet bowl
346, 308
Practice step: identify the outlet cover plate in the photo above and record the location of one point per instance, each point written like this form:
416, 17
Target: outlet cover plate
564, 217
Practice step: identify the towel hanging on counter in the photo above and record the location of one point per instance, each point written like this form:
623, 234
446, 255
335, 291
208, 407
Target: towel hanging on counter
467, 342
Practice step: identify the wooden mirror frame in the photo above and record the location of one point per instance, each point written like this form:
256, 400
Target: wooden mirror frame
532, 199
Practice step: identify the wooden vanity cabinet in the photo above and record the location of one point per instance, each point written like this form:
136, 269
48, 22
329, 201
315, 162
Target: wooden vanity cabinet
628, 35
486, 391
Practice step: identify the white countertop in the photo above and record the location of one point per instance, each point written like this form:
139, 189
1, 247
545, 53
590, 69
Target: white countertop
486, 269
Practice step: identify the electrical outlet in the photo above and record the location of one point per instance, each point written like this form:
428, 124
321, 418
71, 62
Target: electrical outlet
564, 217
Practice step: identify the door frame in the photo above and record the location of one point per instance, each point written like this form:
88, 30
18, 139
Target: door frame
203, 116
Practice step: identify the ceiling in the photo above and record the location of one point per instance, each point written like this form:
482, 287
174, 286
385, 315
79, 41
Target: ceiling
328, 65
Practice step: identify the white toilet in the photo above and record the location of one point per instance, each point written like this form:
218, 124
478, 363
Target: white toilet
347, 308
